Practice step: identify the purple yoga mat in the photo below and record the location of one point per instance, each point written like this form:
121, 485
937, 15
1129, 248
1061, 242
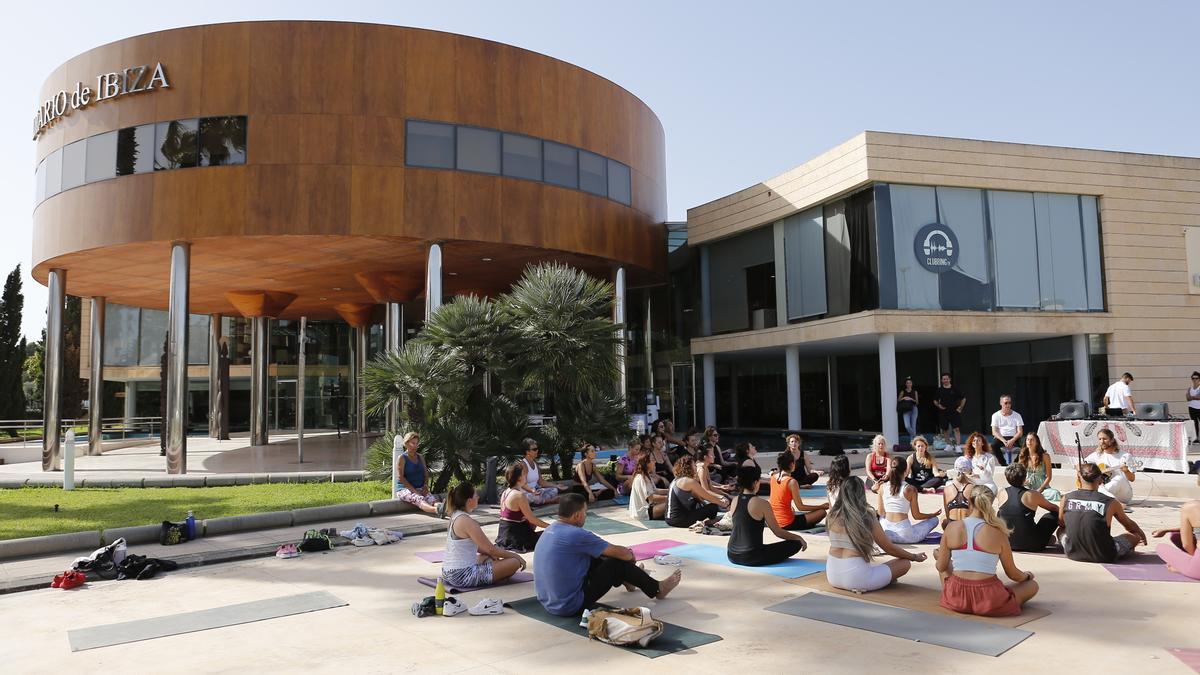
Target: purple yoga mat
518, 578
652, 548
1144, 572
431, 556
1189, 657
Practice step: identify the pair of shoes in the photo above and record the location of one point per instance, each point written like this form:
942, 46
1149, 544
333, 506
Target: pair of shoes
485, 607
58, 579
71, 579
287, 551
363, 541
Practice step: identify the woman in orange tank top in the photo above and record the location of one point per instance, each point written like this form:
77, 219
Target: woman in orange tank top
785, 492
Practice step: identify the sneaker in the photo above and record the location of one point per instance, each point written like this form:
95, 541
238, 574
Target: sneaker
72, 579
58, 579
452, 606
363, 541
287, 551
485, 607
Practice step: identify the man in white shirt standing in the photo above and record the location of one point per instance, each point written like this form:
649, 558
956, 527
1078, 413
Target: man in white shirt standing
1118, 400
1007, 429
1118, 467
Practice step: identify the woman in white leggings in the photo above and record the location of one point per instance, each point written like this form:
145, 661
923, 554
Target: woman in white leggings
898, 499
854, 531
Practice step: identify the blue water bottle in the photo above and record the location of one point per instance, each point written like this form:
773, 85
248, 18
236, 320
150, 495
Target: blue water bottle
191, 525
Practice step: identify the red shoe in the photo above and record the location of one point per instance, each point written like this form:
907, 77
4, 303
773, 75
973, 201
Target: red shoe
57, 583
73, 579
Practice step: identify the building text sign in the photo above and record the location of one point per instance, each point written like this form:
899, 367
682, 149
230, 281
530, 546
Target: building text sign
109, 86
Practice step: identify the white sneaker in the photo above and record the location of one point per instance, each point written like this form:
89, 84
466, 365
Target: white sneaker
452, 605
486, 606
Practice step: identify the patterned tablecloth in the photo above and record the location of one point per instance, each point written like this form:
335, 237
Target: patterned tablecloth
1159, 445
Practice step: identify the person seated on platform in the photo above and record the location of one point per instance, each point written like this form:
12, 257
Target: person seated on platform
646, 502
1182, 553
626, 466
674, 439
575, 568
956, 498
1117, 467
1007, 429
1038, 470
745, 454
983, 464
785, 494
663, 475
854, 532
726, 460
540, 491
704, 473
1018, 509
1088, 514
593, 482
878, 463
688, 502
471, 560
803, 473
967, 559
690, 447
412, 476
923, 472
751, 514
896, 500
517, 521
839, 471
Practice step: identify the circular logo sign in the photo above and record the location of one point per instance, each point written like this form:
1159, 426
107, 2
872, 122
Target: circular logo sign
936, 248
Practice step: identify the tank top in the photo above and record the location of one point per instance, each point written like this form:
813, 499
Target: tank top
533, 475
414, 472
1090, 536
971, 558
920, 473
460, 553
678, 498
515, 516
879, 465
747, 536
1034, 477
895, 503
1194, 391
781, 501
1019, 517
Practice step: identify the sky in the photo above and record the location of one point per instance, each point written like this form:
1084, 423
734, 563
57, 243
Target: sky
745, 90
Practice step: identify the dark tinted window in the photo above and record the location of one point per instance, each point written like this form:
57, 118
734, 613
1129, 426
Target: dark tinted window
429, 144
593, 175
175, 144
561, 164
101, 157
222, 141
74, 159
618, 182
478, 150
135, 150
522, 157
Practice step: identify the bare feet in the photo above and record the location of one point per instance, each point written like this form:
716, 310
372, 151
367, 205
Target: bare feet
667, 585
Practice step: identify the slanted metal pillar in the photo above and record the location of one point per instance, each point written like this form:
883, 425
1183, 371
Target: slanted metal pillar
56, 287
214, 375
433, 280
260, 329
393, 341
361, 333
177, 352
619, 319
96, 382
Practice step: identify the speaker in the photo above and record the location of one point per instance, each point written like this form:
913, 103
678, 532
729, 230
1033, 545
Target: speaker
1074, 410
1153, 411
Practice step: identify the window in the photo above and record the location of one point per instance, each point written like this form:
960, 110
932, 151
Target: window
54, 173
74, 164
135, 150
152, 335
429, 144
197, 350
561, 164
593, 175
175, 144
478, 150
740, 280
619, 189
804, 256
1090, 216
121, 335
101, 157
1014, 246
222, 141
39, 183
1060, 252
522, 157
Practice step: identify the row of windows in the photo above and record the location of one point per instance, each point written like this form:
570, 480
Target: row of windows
177, 144
436, 145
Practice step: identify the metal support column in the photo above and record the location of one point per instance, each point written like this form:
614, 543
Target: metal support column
96, 381
361, 333
792, 366
301, 360
214, 375
1083, 370
433, 280
177, 352
393, 341
56, 287
619, 319
887, 385
260, 329
709, 362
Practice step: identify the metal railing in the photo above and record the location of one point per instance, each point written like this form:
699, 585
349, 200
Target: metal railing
110, 427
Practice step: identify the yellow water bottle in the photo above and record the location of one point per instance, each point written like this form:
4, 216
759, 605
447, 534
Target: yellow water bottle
439, 597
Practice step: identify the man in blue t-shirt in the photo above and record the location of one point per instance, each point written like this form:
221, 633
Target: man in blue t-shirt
575, 568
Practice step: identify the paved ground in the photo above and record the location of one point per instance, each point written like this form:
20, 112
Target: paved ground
1097, 623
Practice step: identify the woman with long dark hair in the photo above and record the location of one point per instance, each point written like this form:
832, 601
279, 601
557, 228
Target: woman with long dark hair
854, 532
896, 501
1038, 470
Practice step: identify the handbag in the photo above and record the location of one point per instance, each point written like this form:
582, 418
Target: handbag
904, 405
624, 627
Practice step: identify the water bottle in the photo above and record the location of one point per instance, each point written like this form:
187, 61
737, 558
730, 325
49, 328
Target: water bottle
439, 597
191, 525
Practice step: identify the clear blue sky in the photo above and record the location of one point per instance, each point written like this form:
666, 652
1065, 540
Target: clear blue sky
744, 90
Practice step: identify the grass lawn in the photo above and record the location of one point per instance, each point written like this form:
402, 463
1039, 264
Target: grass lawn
29, 512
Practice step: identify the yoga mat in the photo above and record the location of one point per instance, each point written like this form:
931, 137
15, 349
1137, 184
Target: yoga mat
1144, 572
955, 633
602, 525
654, 524
431, 556
789, 569
652, 548
814, 491
518, 578
205, 619
621, 500
674, 638
931, 538
1190, 657
920, 598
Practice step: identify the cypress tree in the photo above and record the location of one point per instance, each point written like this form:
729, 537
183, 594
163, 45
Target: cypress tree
12, 349
74, 389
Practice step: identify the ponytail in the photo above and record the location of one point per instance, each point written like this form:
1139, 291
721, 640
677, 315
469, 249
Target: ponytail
981, 501
458, 496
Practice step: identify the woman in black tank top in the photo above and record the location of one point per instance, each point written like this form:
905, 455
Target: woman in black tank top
1018, 510
751, 514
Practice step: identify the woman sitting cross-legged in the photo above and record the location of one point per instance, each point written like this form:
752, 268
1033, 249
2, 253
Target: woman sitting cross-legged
923, 471
1018, 509
471, 560
517, 521
590, 478
412, 475
1182, 554
878, 463
896, 500
967, 559
785, 493
839, 471
688, 502
751, 514
1038, 470
854, 531
956, 498
704, 472
646, 502
625, 467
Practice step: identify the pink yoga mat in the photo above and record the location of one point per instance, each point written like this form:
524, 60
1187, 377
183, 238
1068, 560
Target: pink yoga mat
518, 578
1145, 572
1190, 657
431, 556
652, 548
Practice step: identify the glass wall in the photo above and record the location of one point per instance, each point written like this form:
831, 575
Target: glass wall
742, 282
135, 336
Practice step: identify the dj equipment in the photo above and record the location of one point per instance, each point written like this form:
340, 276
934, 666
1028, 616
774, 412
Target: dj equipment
1074, 410
1153, 411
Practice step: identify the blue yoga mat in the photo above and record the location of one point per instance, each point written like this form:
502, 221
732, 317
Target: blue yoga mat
790, 569
814, 491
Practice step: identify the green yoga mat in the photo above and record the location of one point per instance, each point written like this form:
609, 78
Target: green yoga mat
602, 525
674, 638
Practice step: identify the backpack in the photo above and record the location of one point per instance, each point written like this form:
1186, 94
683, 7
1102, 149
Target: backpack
172, 533
624, 627
314, 540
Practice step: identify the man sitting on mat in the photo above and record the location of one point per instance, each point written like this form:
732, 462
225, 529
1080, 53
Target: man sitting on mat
575, 568
1182, 553
1088, 515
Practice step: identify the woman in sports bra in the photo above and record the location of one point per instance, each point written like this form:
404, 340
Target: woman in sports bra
590, 478
967, 560
956, 497
897, 500
854, 532
878, 463
517, 521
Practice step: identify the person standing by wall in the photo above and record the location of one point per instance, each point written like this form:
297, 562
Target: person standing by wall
1118, 399
949, 403
1193, 399
906, 404
1007, 428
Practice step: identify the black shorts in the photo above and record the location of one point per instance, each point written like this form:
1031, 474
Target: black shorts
949, 419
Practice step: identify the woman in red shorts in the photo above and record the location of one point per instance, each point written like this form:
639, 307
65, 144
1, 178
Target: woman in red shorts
967, 558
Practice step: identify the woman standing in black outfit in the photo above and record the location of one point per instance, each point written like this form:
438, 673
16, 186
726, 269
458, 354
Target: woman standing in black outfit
751, 514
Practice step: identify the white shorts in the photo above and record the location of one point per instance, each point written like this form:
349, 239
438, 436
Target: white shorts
856, 574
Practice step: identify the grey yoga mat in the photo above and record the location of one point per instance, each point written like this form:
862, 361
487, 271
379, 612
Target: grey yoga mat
204, 619
962, 634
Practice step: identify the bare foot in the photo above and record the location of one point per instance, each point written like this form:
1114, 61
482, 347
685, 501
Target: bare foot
667, 585
630, 587
1172, 569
